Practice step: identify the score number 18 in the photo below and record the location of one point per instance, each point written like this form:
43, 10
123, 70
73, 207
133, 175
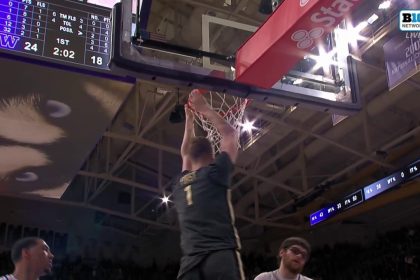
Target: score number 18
96, 60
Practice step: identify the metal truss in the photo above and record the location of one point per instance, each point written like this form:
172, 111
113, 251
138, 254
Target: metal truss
310, 142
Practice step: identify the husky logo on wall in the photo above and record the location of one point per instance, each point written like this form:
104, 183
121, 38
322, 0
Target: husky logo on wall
50, 120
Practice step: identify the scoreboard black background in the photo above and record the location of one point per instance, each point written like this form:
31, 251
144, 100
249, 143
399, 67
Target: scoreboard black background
59, 30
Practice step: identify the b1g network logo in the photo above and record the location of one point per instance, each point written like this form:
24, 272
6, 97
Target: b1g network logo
410, 20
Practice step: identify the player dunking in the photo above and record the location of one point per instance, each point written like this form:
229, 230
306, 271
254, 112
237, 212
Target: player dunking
209, 239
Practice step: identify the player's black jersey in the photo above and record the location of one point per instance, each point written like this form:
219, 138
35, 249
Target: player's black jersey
205, 213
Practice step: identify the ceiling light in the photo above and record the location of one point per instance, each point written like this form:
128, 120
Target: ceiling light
324, 59
385, 5
352, 35
297, 81
248, 126
361, 26
165, 199
372, 18
162, 90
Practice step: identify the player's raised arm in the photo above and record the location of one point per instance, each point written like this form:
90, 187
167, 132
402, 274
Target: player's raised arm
186, 141
229, 141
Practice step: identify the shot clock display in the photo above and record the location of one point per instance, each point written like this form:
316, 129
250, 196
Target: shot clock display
62, 30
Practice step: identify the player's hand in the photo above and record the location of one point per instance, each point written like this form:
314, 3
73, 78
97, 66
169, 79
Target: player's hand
189, 114
197, 101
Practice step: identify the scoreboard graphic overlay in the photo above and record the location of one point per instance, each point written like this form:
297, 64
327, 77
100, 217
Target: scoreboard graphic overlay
58, 30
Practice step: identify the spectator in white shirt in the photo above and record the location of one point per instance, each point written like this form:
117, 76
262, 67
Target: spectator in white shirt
294, 253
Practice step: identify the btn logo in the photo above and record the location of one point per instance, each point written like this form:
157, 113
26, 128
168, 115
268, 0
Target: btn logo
409, 20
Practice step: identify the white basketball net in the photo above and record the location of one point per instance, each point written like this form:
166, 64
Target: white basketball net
231, 108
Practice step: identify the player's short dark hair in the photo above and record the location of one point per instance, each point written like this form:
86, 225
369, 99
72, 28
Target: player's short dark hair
24, 243
200, 147
289, 242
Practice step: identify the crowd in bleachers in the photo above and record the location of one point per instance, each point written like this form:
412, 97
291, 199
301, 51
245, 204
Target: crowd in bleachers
103, 270
393, 256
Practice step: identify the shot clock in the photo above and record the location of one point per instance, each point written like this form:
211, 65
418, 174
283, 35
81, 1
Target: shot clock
58, 30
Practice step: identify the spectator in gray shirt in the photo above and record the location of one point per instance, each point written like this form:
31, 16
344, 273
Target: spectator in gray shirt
293, 253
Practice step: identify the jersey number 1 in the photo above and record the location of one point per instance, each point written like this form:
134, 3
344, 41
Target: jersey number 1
188, 195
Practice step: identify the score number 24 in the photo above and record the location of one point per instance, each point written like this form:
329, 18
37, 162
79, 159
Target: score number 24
31, 47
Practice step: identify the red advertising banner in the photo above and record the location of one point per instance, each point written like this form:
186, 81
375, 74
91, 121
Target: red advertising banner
286, 37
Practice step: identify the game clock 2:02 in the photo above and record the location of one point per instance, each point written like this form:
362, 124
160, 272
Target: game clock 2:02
64, 53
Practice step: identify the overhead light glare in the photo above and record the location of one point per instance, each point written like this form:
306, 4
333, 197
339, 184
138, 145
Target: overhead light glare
385, 5
372, 18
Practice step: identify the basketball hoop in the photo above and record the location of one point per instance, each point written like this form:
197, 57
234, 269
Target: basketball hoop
230, 108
